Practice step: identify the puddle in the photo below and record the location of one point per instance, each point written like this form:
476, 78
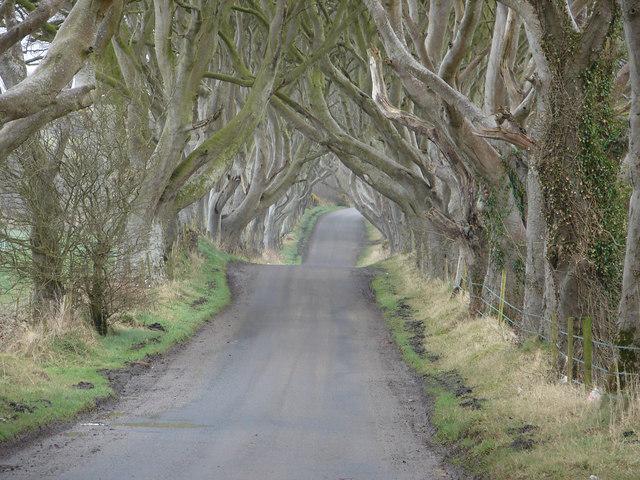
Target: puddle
9, 468
159, 425
114, 414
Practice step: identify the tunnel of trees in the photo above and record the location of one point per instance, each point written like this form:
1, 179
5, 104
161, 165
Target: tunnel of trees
477, 136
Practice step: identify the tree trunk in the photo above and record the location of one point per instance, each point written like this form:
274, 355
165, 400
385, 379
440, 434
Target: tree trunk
419, 244
98, 305
458, 278
567, 211
230, 236
154, 235
47, 264
167, 220
491, 282
534, 287
272, 240
550, 299
494, 91
436, 254
436, 30
477, 261
200, 219
47, 258
629, 308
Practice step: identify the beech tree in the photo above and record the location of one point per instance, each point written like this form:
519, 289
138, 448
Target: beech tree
478, 136
32, 101
629, 308
67, 195
147, 61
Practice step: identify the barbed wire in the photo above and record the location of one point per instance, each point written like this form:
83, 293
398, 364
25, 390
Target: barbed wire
519, 325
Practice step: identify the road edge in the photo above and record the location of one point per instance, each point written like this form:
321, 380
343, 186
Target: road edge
127, 377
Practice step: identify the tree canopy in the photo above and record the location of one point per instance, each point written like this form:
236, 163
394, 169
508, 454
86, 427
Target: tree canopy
479, 136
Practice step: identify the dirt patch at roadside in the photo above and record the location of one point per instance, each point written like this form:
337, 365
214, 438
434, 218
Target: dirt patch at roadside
415, 327
523, 437
198, 302
141, 345
451, 380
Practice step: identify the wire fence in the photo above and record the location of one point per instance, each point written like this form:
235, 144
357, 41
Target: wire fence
552, 334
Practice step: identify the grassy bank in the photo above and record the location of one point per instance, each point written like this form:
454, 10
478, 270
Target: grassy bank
374, 250
62, 377
496, 401
295, 242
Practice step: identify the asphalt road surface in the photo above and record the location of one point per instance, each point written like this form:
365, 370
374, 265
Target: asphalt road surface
297, 380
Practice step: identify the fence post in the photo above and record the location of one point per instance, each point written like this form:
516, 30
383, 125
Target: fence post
617, 365
446, 270
465, 279
554, 340
503, 288
587, 347
570, 350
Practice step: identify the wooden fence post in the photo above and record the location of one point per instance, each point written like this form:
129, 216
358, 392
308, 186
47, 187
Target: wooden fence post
554, 340
570, 350
617, 372
503, 288
446, 270
465, 280
587, 347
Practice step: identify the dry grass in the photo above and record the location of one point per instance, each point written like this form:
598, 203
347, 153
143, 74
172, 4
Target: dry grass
41, 365
625, 412
266, 257
33, 340
572, 437
376, 249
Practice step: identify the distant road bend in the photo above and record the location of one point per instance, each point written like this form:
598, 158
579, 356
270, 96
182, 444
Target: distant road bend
297, 380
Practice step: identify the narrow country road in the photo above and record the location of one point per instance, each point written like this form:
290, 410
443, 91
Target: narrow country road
297, 380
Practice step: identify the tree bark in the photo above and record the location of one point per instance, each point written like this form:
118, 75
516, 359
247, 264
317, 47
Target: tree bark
629, 308
534, 287
97, 291
42, 200
494, 91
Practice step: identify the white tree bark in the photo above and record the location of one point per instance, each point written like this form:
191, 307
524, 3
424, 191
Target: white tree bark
629, 309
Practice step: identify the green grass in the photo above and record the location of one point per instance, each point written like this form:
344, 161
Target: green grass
45, 387
373, 250
573, 438
294, 246
11, 289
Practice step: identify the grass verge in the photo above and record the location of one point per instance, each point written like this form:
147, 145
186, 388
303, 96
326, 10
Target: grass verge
295, 243
38, 391
494, 399
374, 250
